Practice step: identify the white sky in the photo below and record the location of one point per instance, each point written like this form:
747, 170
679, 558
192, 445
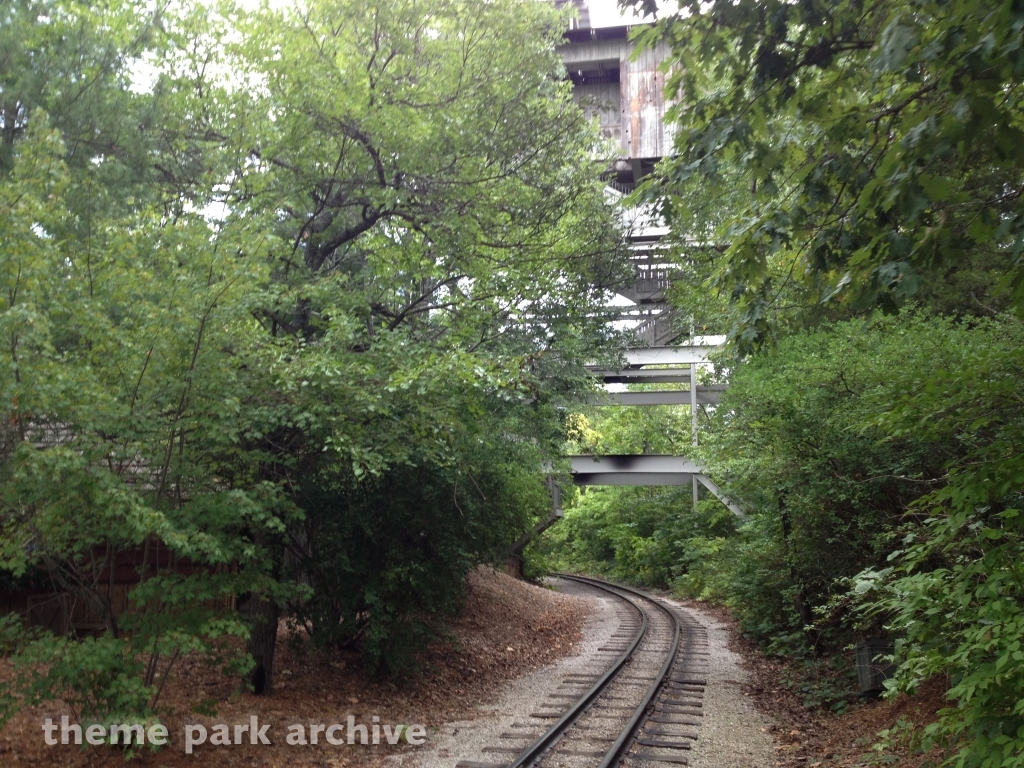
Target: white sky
605, 13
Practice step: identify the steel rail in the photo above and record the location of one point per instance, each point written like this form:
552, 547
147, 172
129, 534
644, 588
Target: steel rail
614, 753
535, 750
628, 733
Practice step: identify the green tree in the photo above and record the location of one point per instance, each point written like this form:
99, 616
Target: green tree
880, 467
123, 372
824, 494
953, 590
444, 225
261, 272
866, 153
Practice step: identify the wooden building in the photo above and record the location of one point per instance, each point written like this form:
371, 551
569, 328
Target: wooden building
627, 95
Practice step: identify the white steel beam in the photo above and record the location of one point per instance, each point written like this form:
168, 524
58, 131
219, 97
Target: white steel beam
645, 462
645, 376
633, 478
647, 469
668, 355
693, 401
644, 469
666, 397
641, 356
708, 483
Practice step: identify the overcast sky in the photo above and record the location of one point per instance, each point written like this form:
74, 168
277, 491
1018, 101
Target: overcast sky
605, 13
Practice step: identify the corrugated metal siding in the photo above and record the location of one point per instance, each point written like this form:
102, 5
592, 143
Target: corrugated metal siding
639, 95
608, 109
642, 88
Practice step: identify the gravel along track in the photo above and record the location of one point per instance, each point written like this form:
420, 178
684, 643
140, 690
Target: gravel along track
467, 739
700, 696
641, 709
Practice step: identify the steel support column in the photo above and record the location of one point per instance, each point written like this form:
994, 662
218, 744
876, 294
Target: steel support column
693, 426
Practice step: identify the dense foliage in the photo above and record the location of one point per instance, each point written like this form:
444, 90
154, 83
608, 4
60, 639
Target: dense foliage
386, 561
879, 467
646, 536
847, 153
831, 158
289, 301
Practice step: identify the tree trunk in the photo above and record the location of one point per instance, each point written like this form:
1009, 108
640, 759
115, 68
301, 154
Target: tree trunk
800, 603
802, 608
263, 615
263, 611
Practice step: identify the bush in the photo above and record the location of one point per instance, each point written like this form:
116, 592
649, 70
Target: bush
881, 465
387, 558
954, 591
644, 536
826, 486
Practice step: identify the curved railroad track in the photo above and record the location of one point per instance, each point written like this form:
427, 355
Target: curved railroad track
641, 709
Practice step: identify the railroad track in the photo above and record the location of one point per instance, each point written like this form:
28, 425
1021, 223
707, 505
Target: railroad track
642, 709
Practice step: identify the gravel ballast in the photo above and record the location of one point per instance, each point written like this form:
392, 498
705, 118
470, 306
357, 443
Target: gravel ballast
466, 739
732, 734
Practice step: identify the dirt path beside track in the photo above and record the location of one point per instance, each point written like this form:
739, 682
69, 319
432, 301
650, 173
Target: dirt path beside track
732, 734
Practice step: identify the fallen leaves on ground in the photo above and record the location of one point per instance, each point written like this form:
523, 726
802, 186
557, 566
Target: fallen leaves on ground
506, 629
813, 738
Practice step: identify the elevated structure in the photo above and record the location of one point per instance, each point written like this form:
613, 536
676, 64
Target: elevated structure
625, 91
655, 365
623, 88
644, 469
674, 365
